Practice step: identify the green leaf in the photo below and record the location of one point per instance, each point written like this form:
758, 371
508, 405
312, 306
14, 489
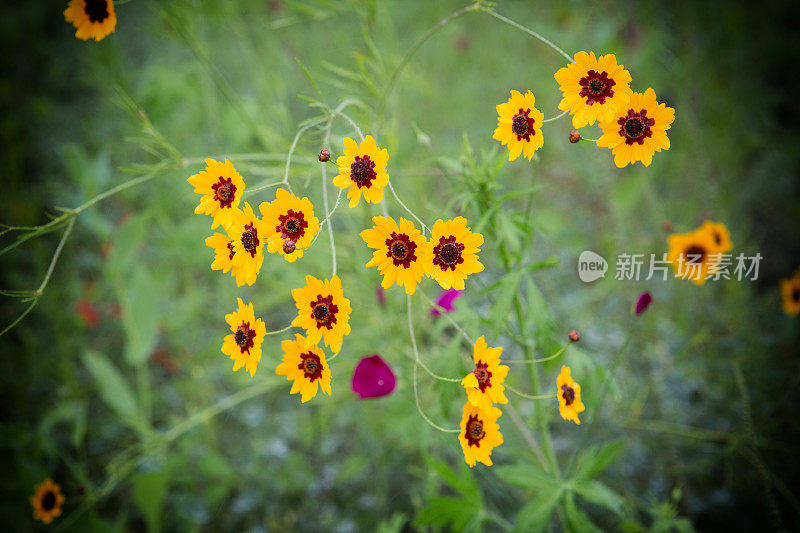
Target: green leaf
393, 524
527, 475
593, 462
113, 388
444, 511
140, 300
463, 484
509, 287
576, 519
535, 515
149, 489
599, 494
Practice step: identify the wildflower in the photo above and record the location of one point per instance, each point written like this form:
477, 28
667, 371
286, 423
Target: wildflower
480, 433
87, 312
223, 252
720, 234
452, 253
445, 301
373, 378
222, 188
638, 131
484, 385
519, 125
574, 336
398, 252
693, 255
323, 311
790, 293
362, 168
324, 156
46, 501
244, 345
289, 219
305, 365
94, 19
643, 302
247, 233
569, 396
594, 88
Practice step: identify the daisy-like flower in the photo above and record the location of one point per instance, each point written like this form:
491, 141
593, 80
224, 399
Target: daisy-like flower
694, 255
519, 125
223, 252
362, 169
452, 253
594, 88
398, 252
94, 19
484, 385
790, 293
480, 433
244, 345
638, 131
222, 188
323, 311
720, 234
46, 501
305, 365
569, 396
290, 224
247, 232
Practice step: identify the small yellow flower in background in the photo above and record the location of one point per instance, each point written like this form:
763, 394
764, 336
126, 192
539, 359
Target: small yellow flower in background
323, 311
519, 125
484, 385
569, 396
94, 19
223, 252
244, 345
362, 168
222, 188
305, 365
480, 433
638, 131
290, 224
694, 255
452, 253
594, 88
246, 231
790, 293
46, 501
720, 235
398, 252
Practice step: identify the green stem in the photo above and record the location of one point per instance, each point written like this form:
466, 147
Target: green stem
530, 32
529, 396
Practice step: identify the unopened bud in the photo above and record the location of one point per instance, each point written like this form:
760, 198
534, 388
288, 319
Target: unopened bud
574, 136
324, 156
666, 226
288, 247
574, 336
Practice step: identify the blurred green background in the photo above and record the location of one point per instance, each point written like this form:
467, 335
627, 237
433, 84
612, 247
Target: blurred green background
133, 291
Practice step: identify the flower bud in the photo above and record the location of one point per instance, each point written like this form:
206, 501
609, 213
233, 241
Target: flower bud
289, 246
574, 136
574, 336
324, 156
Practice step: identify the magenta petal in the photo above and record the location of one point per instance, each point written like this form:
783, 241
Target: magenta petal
380, 294
373, 378
446, 299
644, 301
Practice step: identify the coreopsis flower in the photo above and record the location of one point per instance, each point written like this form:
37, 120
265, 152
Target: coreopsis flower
790, 294
594, 88
223, 252
720, 234
222, 188
484, 385
452, 253
244, 344
446, 302
304, 364
398, 252
643, 302
480, 433
638, 131
362, 169
373, 378
94, 19
46, 501
569, 396
519, 125
323, 311
247, 232
289, 220
694, 255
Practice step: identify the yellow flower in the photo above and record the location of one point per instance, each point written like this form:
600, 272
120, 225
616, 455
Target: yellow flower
790, 292
452, 253
323, 311
362, 167
247, 235
480, 433
221, 187
594, 88
484, 385
304, 364
244, 345
638, 131
289, 223
398, 252
569, 396
694, 255
46, 501
223, 251
94, 19
720, 235
519, 125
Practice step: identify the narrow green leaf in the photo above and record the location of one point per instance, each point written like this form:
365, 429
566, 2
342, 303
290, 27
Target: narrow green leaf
464, 484
444, 511
111, 385
149, 489
535, 515
599, 494
502, 306
593, 463
526, 475
577, 519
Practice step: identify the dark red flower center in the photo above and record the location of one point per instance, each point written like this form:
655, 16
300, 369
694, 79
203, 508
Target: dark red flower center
323, 311
596, 87
796, 295
362, 171
48, 500
568, 393
522, 125
224, 192
244, 337
400, 248
695, 254
250, 240
292, 225
474, 431
96, 10
717, 238
447, 254
311, 366
483, 375
231, 251
635, 126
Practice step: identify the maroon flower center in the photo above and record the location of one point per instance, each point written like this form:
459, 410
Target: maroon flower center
695, 254
231, 251
596, 87
323, 311
474, 431
362, 171
224, 192
250, 240
292, 225
568, 393
48, 500
717, 238
244, 337
796, 295
635, 126
483, 375
447, 254
522, 125
311, 366
96, 10
400, 248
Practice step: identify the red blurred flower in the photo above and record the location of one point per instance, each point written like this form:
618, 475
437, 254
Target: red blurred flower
373, 378
644, 301
446, 300
87, 312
